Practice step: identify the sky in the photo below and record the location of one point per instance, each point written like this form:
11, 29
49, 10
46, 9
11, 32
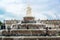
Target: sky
41, 9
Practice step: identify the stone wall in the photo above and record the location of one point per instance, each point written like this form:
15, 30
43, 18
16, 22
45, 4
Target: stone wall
30, 39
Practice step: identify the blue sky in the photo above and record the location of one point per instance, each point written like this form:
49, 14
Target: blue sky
41, 9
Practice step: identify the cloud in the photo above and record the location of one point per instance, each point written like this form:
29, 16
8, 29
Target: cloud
16, 9
12, 9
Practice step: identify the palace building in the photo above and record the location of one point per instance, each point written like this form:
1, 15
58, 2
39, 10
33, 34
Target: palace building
30, 28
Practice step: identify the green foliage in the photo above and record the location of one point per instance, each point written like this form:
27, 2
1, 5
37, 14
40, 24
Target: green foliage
59, 34
0, 23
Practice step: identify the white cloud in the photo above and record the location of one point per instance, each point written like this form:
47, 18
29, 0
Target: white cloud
17, 9
11, 7
39, 15
1, 16
4, 17
51, 13
11, 1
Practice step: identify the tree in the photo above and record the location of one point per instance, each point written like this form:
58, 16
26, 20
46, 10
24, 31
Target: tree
0, 23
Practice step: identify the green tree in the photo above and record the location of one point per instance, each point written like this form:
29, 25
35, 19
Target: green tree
0, 23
